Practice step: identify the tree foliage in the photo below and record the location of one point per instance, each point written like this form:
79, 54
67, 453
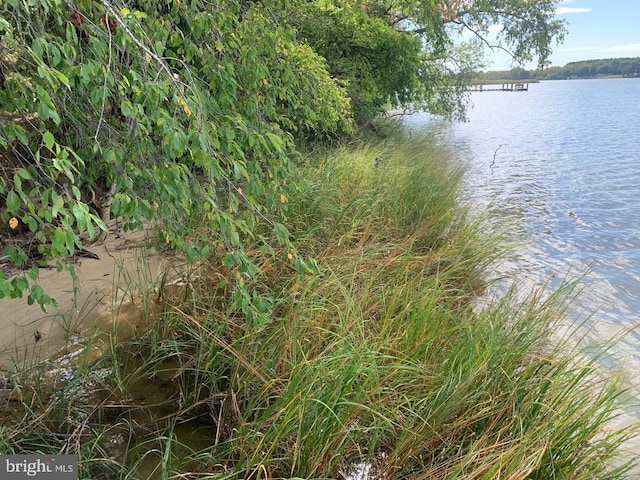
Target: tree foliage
179, 113
408, 53
379, 64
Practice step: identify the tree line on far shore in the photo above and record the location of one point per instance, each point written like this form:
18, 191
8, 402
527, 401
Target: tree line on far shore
625, 67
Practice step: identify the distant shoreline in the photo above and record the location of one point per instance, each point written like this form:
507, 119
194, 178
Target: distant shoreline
590, 69
527, 81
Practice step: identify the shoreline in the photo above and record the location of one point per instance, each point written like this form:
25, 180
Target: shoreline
379, 357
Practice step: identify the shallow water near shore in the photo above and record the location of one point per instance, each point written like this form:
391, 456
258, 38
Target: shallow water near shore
558, 167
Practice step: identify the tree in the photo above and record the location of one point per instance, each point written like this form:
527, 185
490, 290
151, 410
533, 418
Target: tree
378, 64
178, 114
363, 45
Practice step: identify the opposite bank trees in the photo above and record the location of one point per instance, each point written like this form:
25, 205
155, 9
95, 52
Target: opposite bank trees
190, 114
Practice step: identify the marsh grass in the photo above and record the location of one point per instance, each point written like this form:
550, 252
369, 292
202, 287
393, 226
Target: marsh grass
382, 360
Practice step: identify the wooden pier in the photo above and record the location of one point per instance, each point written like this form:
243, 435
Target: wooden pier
505, 87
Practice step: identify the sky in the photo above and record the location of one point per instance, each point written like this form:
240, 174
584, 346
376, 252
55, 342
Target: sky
596, 29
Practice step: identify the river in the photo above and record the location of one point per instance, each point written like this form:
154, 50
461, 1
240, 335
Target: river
558, 166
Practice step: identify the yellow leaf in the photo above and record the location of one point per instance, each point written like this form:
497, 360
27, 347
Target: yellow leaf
283, 199
13, 223
184, 105
289, 256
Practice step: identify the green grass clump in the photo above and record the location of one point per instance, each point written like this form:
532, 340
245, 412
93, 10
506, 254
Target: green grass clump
383, 359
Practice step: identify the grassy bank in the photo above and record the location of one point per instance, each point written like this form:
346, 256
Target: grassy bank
379, 361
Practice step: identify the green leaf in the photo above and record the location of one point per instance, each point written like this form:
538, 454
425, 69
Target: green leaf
33, 273
22, 173
71, 239
190, 253
13, 202
276, 141
281, 232
53, 115
58, 204
33, 225
58, 242
48, 140
62, 77
91, 229
79, 213
127, 108
178, 143
21, 284
37, 47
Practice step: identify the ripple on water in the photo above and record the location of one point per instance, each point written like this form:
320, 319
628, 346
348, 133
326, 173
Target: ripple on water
560, 167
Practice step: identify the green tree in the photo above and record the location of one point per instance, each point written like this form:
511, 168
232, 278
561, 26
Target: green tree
187, 115
379, 64
406, 53
178, 114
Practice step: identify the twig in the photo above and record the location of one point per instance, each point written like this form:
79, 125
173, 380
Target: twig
494, 157
104, 93
478, 33
163, 65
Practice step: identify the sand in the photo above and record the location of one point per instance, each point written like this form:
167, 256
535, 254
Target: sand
108, 290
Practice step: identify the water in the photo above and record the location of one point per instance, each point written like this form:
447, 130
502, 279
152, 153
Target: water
559, 166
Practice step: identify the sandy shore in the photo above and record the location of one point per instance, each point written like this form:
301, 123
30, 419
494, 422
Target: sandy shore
116, 280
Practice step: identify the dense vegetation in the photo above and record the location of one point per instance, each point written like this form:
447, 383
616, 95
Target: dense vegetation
330, 318
624, 67
189, 115
381, 361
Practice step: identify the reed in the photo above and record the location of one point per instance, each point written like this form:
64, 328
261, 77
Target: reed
384, 361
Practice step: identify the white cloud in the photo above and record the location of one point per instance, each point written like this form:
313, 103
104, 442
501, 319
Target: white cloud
630, 47
565, 10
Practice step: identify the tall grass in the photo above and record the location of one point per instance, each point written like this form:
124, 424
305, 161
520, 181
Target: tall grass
383, 360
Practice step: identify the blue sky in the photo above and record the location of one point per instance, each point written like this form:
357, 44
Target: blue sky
597, 29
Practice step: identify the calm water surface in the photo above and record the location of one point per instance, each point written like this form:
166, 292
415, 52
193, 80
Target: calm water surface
559, 165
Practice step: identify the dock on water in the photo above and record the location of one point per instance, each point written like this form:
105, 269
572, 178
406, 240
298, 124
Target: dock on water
504, 87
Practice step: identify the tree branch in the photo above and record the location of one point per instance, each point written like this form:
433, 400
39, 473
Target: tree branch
161, 63
483, 39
